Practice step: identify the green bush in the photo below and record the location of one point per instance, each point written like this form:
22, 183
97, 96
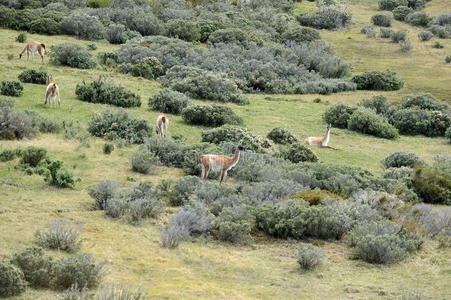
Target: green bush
230, 36
433, 184
143, 161
37, 267
442, 32
298, 153
418, 19
92, 47
309, 257
119, 125
425, 36
398, 173
11, 88
83, 25
234, 225
448, 134
15, 125
32, 156
12, 281
401, 159
8, 155
398, 36
33, 76
170, 153
378, 80
184, 30
236, 135
81, 270
102, 192
210, 115
41, 123
327, 17
169, 101
45, 26
381, 20
300, 34
378, 104
103, 91
57, 175
60, 235
22, 37
282, 136
437, 45
423, 101
182, 190
386, 33
338, 115
72, 55
400, 12
391, 4
107, 148
119, 34
414, 121
146, 67
368, 122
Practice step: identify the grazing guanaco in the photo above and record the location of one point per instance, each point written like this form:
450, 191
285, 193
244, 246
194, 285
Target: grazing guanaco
33, 47
220, 163
320, 141
52, 93
162, 125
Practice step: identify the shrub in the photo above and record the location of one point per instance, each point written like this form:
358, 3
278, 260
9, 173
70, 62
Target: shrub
92, 47
33, 76
118, 34
170, 153
234, 225
414, 121
169, 101
43, 124
338, 115
368, 122
57, 175
183, 189
21, 38
102, 192
398, 173
437, 45
143, 208
234, 134
60, 235
229, 36
444, 19
45, 26
298, 153
448, 59
442, 32
119, 292
147, 67
391, 4
12, 281
32, 156
282, 136
425, 36
210, 115
300, 34
315, 197
386, 33
11, 88
184, 30
107, 148
83, 26
103, 91
143, 162
406, 46
309, 257
8, 155
381, 20
72, 55
433, 184
80, 270
378, 80
173, 236
328, 17
378, 104
326, 86
119, 125
423, 101
400, 13
400, 159
196, 220
448, 134
418, 19
37, 267
15, 125
398, 36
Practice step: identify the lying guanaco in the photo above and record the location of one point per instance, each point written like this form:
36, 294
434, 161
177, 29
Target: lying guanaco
220, 163
52, 93
320, 141
33, 47
162, 125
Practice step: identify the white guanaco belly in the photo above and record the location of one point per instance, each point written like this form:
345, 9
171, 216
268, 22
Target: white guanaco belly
214, 163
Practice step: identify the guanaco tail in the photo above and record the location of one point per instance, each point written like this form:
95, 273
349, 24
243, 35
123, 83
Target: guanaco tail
33, 47
220, 163
52, 93
162, 125
320, 141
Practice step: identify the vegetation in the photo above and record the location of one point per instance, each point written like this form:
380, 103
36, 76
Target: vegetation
309, 257
169, 101
11, 279
377, 80
11, 88
72, 55
207, 115
282, 136
33, 76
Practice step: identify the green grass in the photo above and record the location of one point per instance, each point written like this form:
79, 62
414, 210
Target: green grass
208, 269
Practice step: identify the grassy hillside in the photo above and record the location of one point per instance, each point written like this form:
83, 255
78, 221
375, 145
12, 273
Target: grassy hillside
209, 269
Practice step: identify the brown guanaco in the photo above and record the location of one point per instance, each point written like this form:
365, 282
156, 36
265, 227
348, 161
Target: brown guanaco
162, 125
220, 163
320, 141
52, 93
33, 47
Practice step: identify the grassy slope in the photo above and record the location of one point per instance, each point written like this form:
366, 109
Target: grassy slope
267, 269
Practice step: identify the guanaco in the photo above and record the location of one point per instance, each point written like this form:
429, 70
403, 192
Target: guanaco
33, 47
52, 93
162, 125
220, 163
320, 141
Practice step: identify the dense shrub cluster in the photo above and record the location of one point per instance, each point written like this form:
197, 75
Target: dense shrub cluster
11, 88
60, 235
210, 115
309, 257
103, 91
143, 161
433, 183
385, 33
368, 122
381, 20
38, 268
338, 115
298, 153
391, 4
378, 104
12, 280
83, 26
398, 37
147, 67
401, 159
169, 101
234, 225
33, 76
414, 121
72, 55
15, 125
425, 35
424, 101
119, 34
378, 80
418, 19
327, 17
400, 12
282, 136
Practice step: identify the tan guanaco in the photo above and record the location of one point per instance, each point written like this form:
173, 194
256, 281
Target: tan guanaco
320, 141
220, 163
52, 93
33, 47
162, 125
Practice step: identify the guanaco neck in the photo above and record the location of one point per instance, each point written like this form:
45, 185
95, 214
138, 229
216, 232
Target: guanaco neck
326, 137
235, 158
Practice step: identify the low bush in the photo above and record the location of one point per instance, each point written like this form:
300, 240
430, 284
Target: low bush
33, 76
169, 101
298, 153
369, 31
210, 115
60, 235
11, 88
15, 125
22, 37
172, 236
398, 36
378, 104
170, 153
83, 26
401, 159
37, 267
147, 67
437, 45
80, 270
282, 136
442, 32
368, 122
338, 115
92, 47
386, 33
45, 26
107, 148
184, 30
55, 174
12, 280
182, 190
425, 36
398, 173
8, 155
381, 20
412, 121
103, 91
423, 101
143, 161
41, 123
102, 192
32, 156
378, 80
315, 197
236, 135
433, 183
119, 125
406, 46
300, 34
448, 134
418, 19
400, 12
325, 86
72, 55
119, 34
230, 36
391, 4
327, 17
309, 257
234, 225
448, 59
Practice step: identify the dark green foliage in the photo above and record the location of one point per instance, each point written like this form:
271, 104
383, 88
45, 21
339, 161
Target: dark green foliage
119, 125
92, 47
147, 67
119, 34
298, 153
33, 76
423, 101
236, 135
326, 86
401, 159
398, 36
391, 4
169, 152
234, 225
182, 190
21, 38
143, 161
378, 80
103, 91
45, 26
60, 235
437, 45
32, 156
8, 155
338, 115
282, 136
367, 121
169, 101
15, 125
328, 17
55, 174
418, 19
11, 88
184, 30
414, 121
400, 13
12, 281
107, 148
448, 59
448, 134
37, 267
378, 104
309, 257
210, 115
301, 34
381, 20
386, 33
102, 192
425, 35
433, 183
81, 270
72, 55
230, 36
83, 26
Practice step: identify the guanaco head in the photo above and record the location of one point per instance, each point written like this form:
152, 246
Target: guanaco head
48, 79
241, 148
329, 126
43, 45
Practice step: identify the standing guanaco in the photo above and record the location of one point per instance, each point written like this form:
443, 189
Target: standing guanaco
220, 163
162, 125
320, 141
33, 47
52, 93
